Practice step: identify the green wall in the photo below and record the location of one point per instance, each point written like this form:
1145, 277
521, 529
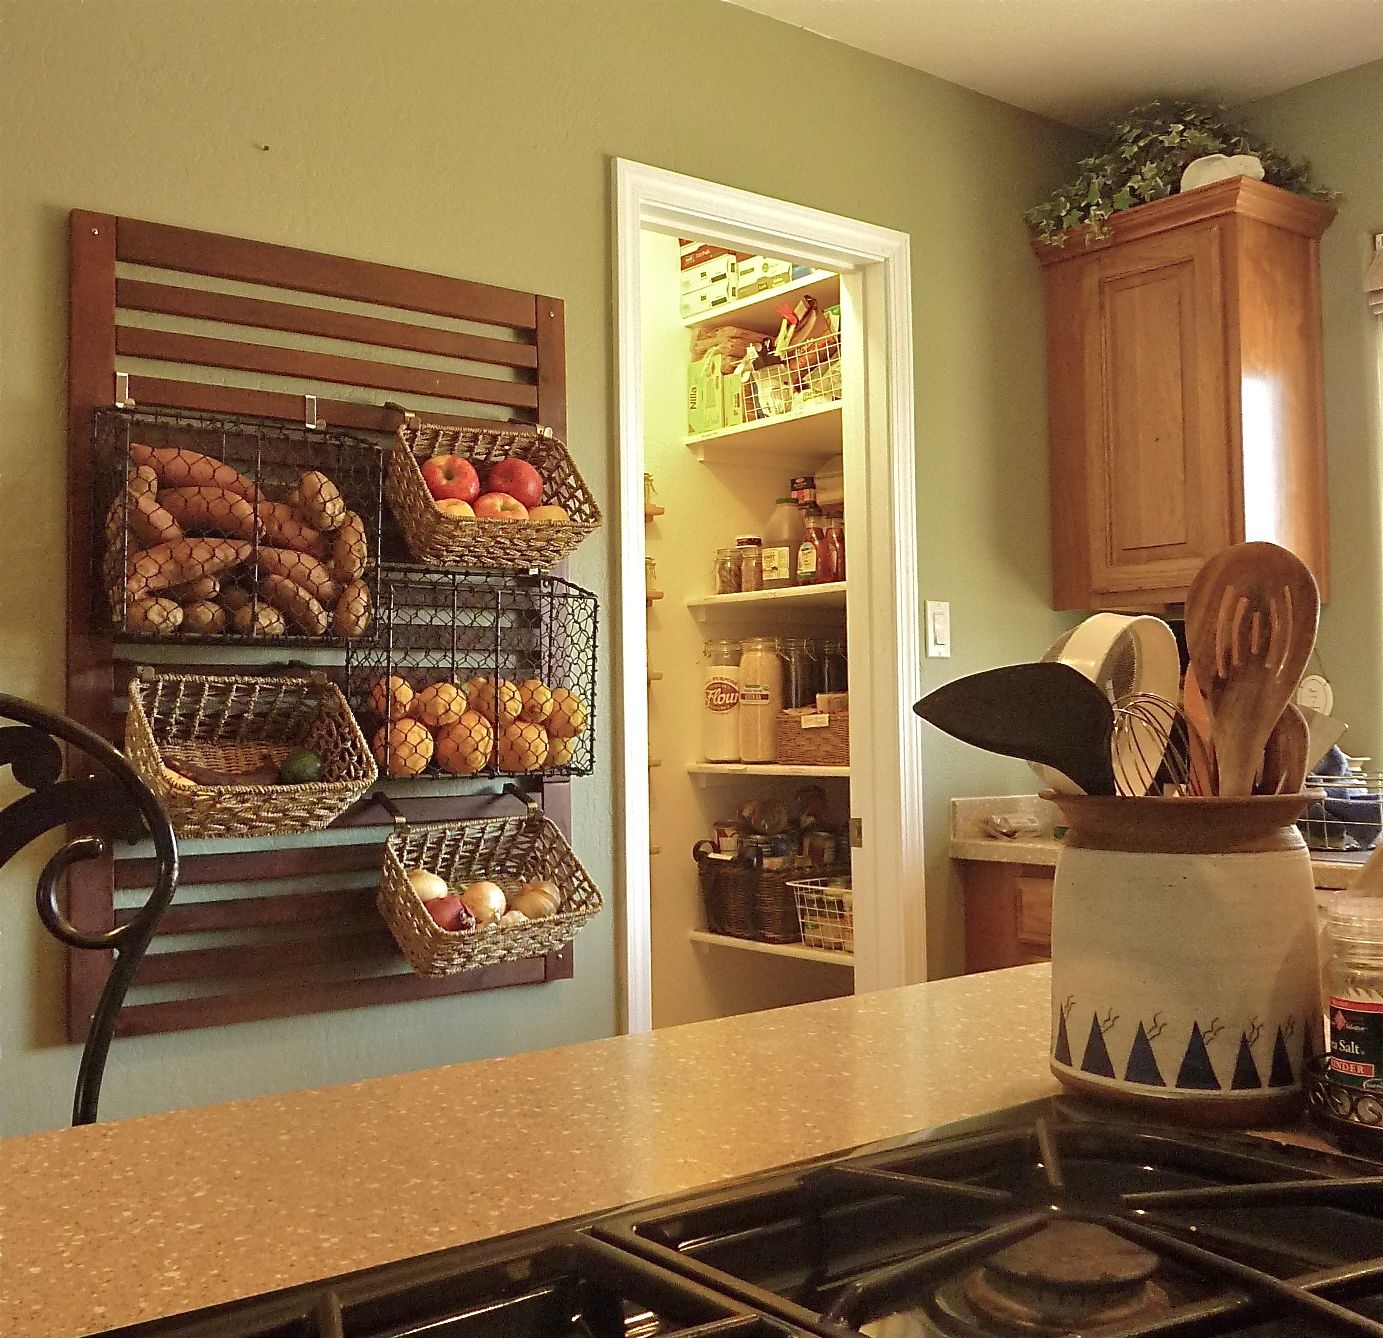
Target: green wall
476, 139
1337, 123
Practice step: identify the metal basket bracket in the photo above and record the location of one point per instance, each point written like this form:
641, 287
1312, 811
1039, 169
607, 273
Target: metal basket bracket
386, 802
516, 792
122, 391
310, 418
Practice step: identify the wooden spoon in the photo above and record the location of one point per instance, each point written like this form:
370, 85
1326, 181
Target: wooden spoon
1251, 618
1284, 754
1200, 746
1048, 713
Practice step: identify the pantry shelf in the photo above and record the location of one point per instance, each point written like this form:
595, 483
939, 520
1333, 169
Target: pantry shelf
759, 311
794, 598
810, 436
708, 773
797, 950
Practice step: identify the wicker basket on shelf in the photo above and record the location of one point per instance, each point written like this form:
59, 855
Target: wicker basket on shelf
509, 851
235, 724
808, 738
444, 540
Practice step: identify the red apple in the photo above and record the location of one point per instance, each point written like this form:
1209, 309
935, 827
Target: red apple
451, 476
450, 912
500, 506
551, 513
518, 478
454, 507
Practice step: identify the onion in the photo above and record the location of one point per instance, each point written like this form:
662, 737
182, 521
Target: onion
513, 918
486, 901
537, 900
427, 885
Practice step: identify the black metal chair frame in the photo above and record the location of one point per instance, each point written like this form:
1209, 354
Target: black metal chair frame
110, 805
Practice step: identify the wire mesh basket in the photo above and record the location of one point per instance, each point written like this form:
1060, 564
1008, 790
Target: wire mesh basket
1350, 817
433, 537
807, 376
477, 673
508, 851
826, 912
229, 528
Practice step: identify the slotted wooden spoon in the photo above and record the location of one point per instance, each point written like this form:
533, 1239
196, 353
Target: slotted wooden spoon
1251, 618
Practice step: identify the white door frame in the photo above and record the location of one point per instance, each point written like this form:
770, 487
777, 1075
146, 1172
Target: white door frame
882, 611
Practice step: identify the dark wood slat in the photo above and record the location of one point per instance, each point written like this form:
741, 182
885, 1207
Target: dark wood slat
551, 338
90, 382
192, 252
235, 866
132, 341
560, 964
265, 961
284, 908
430, 809
199, 304
165, 393
325, 997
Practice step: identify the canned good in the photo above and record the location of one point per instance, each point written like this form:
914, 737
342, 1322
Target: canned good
727, 837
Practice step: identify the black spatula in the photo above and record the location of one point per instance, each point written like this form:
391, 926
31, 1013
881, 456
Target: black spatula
1046, 712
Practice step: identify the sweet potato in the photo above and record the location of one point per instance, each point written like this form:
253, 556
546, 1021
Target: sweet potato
266, 620
351, 616
138, 508
349, 552
290, 599
210, 511
180, 468
302, 569
152, 614
142, 479
284, 529
235, 597
177, 563
319, 501
204, 617
205, 587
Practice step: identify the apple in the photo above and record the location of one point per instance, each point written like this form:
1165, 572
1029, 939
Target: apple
450, 912
517, 478
500, 506
552, 514
451, 476
455, 508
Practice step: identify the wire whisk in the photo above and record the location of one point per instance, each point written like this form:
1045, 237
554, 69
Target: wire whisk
1153, 749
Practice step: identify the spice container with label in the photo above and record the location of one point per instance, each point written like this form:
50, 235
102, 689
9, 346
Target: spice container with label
782, 538
720, 718
751, 562
728, 571
761, 699
1355, 978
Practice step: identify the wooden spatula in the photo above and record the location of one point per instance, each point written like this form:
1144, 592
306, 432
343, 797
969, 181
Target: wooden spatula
1284, 754
1251, 619
1200, 747
1048, 713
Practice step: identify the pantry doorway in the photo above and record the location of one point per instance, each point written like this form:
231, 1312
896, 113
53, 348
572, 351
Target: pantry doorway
671, 964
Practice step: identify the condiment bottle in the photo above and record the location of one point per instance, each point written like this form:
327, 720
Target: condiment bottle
720, 720
835, 544
810, 549
781, 539
761, 699
1355, 978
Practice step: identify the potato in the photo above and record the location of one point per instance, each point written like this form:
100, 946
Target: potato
153, 614
283, 529
292, 600
349, 551
204, 617
210, 511
204, 587
301, 569
351, 617
178, 468
235, 597
178, 563
264, 621
319, 501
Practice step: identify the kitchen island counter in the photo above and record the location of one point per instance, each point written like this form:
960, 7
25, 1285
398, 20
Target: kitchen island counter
142, 1218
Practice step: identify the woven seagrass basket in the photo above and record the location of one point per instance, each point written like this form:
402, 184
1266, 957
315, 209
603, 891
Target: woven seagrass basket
813, 743
442, 540
509, 851
234, 724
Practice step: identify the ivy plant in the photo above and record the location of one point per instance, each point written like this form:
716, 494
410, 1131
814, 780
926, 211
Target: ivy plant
1141, 157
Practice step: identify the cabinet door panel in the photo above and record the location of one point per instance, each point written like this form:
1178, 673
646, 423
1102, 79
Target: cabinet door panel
1157, 429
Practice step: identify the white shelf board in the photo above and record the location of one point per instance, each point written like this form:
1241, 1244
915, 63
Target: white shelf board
797, 950
828, 598
812, 434
707, 773
759, 311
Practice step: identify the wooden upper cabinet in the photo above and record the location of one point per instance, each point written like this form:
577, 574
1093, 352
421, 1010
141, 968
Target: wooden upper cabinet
1185, 392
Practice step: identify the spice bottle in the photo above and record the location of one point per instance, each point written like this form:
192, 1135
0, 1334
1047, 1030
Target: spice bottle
781, 539
761, 699
1355, 977
720, 720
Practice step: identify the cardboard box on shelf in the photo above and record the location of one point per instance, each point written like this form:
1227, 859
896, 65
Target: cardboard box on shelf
702, 301
715, 398
753, 274
718, 268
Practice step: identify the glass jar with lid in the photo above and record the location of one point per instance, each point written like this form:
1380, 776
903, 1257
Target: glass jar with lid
751, 562
835, 667
720, 719
761, 699
727, 571
801, 672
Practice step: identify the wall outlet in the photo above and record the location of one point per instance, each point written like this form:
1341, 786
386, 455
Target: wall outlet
936, 614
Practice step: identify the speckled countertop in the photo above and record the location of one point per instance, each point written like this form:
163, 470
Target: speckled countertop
149, 1217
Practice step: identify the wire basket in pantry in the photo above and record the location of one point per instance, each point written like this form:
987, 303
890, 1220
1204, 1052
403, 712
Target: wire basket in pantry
433, 537
509, 851
245, 726
473, 673
826, 912
232, 528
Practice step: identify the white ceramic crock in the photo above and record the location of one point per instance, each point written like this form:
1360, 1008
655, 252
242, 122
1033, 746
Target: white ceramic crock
1185, 974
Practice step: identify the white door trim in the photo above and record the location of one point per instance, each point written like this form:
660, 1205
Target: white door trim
886, 785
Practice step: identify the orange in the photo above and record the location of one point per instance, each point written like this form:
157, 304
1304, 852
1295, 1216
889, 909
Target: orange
465, 746
482, 693
535, 700
560, 751
391, 697
522, 746
403, 748
569, 715
438, 704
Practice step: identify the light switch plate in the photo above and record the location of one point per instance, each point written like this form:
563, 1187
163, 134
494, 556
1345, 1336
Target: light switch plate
936, 615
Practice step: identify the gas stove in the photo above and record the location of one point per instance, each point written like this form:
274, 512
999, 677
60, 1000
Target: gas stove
1049, 1219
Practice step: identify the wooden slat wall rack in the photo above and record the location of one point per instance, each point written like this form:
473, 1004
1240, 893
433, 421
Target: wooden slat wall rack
201, 322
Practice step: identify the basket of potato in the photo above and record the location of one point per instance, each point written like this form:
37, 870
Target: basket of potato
462, 895
195, 547
270, 755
